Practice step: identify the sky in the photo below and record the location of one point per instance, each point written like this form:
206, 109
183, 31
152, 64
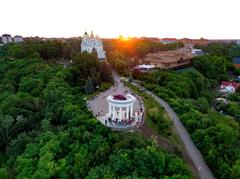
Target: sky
211, 19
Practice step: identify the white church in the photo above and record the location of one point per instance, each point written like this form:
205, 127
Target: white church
90, 42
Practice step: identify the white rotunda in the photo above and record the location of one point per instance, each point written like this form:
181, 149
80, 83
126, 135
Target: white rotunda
120, 107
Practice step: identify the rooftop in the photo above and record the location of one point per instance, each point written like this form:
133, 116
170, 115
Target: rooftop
144, 66
236, 60
18, 36
229, 83
6, 35
119, 97
172, 39
169, 56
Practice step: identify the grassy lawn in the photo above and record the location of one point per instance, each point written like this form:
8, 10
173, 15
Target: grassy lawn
167, 132
185, 69
164, 120
104, 86
162, 125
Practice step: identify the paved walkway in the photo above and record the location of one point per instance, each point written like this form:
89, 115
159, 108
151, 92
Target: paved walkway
99, 105
196, 157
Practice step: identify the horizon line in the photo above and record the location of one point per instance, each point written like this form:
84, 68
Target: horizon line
64, 37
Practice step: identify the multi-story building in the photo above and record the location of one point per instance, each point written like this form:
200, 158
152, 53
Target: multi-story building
6, 38
170, 59
194, 41
168, 40
91, 43
18, 38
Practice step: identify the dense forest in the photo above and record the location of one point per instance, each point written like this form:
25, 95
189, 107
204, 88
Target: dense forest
191, 92
47, 50
46, 130
227, 51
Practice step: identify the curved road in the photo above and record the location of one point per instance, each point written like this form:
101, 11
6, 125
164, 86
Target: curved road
199, 163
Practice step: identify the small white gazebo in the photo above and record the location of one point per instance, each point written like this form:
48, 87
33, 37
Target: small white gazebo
120, 107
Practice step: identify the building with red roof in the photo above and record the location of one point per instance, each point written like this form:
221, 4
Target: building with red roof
229, 87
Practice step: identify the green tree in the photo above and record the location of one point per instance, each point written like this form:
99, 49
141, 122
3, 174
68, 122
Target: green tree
235, 171
85, 65
202, 104
3, 173
121, 163
5, 126
146, 162
234, 109
31, 85
105, 72
101, 172
212, 67
89, 86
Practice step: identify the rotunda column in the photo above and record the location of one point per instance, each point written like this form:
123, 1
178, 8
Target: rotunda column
131, 110
120, 113
113, 112
127, 114
109, 110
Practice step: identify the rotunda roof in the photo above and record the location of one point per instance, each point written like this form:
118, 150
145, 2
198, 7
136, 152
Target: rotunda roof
119, 97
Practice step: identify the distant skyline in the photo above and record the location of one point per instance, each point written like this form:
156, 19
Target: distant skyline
210, 19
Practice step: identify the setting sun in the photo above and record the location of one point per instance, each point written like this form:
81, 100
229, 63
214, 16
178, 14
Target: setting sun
122, 38
120, 89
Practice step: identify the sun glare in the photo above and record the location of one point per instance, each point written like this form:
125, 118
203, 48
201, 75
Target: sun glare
122, 38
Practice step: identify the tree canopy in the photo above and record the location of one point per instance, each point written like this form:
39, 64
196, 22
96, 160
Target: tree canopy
190, 92
46, 130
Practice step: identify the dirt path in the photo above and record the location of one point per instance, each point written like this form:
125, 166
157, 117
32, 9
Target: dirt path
162, 142
190, 153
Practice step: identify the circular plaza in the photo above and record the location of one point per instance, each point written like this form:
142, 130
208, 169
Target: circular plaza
118, 107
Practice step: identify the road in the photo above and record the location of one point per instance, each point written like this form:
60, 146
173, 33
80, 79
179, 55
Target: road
199, 163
